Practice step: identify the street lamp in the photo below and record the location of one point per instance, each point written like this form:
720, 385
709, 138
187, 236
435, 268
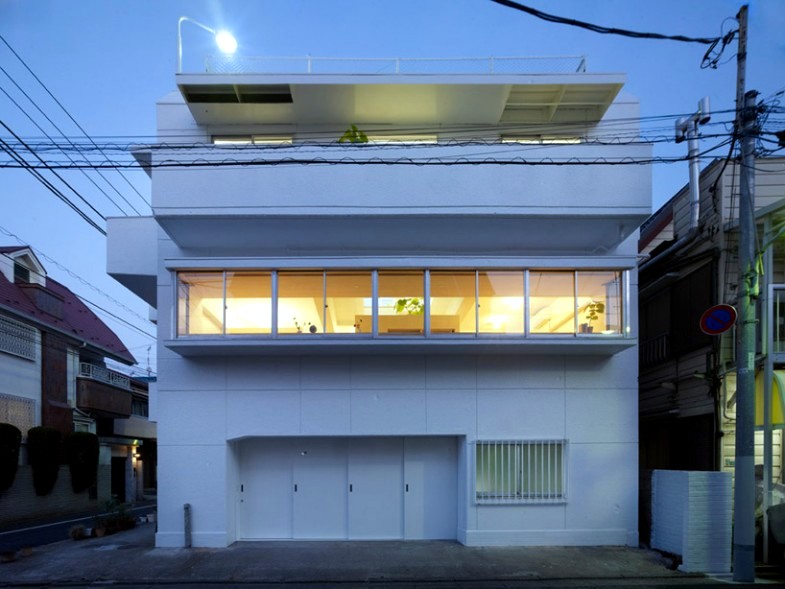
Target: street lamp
224, 39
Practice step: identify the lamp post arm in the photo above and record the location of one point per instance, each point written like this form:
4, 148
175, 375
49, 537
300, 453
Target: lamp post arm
180, 22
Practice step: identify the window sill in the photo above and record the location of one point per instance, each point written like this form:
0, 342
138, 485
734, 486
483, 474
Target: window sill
397, 344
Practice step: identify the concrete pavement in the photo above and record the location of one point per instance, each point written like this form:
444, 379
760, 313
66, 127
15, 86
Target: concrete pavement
129, 559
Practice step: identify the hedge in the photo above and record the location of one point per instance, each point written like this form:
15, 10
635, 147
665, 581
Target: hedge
43, 453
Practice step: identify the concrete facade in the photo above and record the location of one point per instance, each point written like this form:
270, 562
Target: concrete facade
366, 436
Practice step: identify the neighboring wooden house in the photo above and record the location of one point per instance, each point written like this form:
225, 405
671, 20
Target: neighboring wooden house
687, 379
53, 350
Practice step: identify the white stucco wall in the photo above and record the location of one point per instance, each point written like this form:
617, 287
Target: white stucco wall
591, 402
207, 406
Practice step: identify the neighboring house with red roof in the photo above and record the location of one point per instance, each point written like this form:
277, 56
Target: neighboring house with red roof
53, 352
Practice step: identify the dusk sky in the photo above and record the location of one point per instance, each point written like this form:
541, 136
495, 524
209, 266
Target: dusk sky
107, 62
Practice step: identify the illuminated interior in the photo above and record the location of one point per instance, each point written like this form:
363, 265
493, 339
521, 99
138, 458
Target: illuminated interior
349, 308
300, 302
200, 303
552, 302
453, 302
249, 302
501, 301
401, 302
469, 302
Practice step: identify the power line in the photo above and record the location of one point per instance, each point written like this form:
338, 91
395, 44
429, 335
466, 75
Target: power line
50, 138
65, 110
36, 174
97, 306
605, 30
459, 160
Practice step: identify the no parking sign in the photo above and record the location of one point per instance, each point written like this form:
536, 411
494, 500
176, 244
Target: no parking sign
718, 319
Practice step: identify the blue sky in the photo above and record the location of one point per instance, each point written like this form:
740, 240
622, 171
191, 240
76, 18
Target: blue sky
108, 62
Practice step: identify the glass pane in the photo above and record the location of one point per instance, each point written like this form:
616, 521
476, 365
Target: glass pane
453, 302
248, 302
349, 308
401, 302
501, 302
300, 302
200, 303
552, 302
599, 302
497, 471
541, 469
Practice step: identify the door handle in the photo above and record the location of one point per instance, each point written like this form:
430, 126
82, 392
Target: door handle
407, 487
350, 489
295, 488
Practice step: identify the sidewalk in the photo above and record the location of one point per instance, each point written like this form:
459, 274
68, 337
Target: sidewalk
129, 558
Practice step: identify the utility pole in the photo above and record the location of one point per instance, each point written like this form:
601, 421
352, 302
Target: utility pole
744, 494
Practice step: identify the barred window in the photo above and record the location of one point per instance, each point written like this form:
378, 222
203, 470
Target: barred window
520, 471
18, 339
17, 411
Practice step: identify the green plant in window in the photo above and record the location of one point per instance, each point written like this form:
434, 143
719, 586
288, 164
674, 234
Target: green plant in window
353, 135
593, 311
410, 306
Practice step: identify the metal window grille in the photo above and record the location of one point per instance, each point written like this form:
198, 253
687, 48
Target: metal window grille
520, 471
18, 339
17, 411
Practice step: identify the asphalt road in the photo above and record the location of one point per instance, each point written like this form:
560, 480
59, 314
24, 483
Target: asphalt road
40, 534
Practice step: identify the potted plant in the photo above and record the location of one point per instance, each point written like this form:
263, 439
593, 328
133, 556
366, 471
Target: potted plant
410, 306
353, 135
592, 311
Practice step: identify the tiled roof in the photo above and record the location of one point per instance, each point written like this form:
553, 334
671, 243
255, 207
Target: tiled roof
77, 320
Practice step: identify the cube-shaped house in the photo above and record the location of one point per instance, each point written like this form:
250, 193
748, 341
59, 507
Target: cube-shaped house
424, 331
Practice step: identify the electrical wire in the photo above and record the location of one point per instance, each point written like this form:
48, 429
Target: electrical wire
72, 274
602, 29
30, 118
38, 176
105, 311
65, 110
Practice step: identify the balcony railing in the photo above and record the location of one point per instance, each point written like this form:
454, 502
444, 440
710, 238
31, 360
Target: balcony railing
395, 65
101, 374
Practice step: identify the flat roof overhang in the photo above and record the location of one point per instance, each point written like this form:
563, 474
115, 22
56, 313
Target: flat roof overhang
305, 344
410, 235
402, 99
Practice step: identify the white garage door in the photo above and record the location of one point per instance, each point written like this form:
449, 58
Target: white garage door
355, 488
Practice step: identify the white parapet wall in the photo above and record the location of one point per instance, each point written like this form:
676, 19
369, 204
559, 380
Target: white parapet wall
691, 517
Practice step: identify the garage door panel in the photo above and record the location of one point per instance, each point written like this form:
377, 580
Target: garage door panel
375, 493
319, 490
430, 488
266, 498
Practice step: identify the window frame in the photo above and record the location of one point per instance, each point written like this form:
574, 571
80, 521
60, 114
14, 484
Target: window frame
623, 303
519, 496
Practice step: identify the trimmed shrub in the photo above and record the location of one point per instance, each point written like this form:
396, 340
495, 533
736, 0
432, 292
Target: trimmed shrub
43, 453
10, 440
81, 450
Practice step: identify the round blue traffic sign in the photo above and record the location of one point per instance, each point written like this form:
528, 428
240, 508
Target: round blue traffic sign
718, 319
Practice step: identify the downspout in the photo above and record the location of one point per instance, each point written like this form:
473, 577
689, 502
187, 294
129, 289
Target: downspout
688, 128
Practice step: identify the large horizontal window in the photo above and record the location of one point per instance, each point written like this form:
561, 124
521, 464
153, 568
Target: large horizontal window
401, 302
520, 471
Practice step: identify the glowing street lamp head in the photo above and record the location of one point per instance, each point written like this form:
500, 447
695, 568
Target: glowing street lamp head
226, 42
224, 39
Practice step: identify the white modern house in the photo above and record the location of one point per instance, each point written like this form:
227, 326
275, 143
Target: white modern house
431, 335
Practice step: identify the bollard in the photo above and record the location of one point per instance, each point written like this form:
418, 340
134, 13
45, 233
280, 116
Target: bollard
187, 516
